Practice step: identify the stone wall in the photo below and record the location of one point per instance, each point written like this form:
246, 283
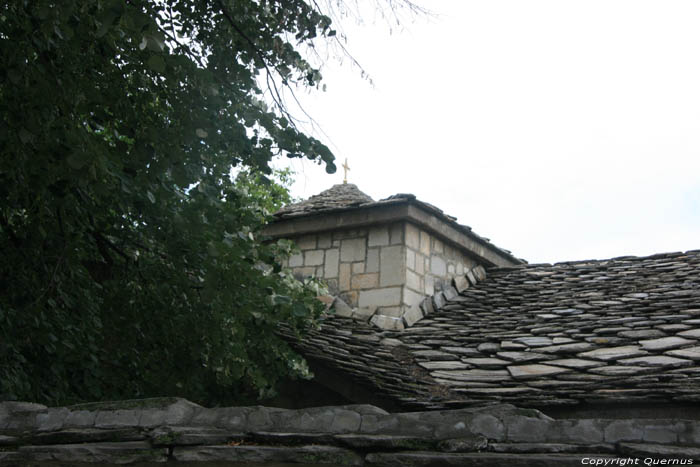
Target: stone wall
155, 431
362, 266
383, 271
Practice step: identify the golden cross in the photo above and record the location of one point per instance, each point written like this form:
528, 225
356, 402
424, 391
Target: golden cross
346, 167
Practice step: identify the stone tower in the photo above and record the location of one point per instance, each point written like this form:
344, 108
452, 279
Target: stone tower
382, 258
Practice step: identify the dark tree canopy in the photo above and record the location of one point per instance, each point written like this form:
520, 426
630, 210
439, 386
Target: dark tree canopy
131, 261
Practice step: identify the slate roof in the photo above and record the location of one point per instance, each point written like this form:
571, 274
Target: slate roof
537, 335
342, 196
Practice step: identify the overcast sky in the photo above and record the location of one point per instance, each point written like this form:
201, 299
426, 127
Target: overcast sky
561, 130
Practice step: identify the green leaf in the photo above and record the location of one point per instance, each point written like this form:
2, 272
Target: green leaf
77, 160
156, 63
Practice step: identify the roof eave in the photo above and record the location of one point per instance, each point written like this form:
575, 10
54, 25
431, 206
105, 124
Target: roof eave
384, 212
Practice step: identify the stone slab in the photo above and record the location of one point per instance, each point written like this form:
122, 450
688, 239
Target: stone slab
620, 370
566, 348
472, 375
656, 361
260, 454
614, 353
577, 363
665, 343
691, 333
535, 371
446, 365
522, 356
535, 341
96, 453
486, 362
692, 353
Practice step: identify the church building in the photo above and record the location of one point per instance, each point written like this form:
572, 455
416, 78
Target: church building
426, 314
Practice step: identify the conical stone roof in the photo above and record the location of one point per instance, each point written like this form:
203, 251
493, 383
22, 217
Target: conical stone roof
345, 195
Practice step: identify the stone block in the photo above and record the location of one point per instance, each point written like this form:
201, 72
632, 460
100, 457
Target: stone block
344, 276
450, 269
378, 236
438, 246
117, 418
412, 316
358, 268
342, 309
472, 278
350, 297
332, 261
372, 264
662, 432
438, 266
306, 271
390, 311
390, 296
479, 272
412, 237
452, 430
363, 313
352, 249
391, 266
52, 419
525, 429
364, 281
80, 419
345, 421
178, 412
413, 281
307, 242
429, 285
323, 241
425, 243
623, 430
427, 306
387, 323
380, 424
420, 264
131, 452
313, 257
588, 431
396, 233
487, 425
411, 298
410, 259
296, 260
461, 283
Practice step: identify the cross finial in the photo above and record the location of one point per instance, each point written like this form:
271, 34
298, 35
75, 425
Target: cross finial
346, 167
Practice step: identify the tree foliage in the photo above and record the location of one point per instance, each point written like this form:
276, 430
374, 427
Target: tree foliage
131, 261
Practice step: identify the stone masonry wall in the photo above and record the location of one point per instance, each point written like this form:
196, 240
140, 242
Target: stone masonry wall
365, 267
381, 270
174, 431
430, 264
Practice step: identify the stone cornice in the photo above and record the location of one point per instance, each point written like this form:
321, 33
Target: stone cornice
403, 208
